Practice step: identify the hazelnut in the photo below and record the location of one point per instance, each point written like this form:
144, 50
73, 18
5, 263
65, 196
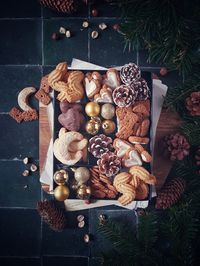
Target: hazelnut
68, 34
80, 218
94, 12
81, 224
85, 24
33, 167
55, 36
102, 26
25, 160
86, 238
25, 173
62, 30
94, 34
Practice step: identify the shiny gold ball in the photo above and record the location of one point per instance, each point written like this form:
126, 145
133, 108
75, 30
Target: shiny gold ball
82, 174
61, 177
93, 126
61, 193
107, 111
92, 109
108, 126
84, 192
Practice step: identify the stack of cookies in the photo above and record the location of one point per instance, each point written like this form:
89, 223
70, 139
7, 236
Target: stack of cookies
105, 121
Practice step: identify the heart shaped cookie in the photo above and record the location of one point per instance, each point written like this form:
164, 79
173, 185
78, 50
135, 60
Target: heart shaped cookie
121, 147
92, 84
112, 78
131, 158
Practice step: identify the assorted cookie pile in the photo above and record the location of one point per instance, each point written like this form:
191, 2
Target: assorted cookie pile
104, 125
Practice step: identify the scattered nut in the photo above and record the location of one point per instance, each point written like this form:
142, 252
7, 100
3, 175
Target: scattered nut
26, 186
68, 34
25, 160
25, 173
55, 36
33, 167
85, 24
94, 34
62, 30
94, 12
81, 224
102, 219
102, 26
80, 218
86, 238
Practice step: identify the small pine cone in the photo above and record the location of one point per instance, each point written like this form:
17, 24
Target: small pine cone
170, 193
129, 73
64, 6
193, 103
143, 91
100, 144
124, 96
175, 147
53, 215
109, 164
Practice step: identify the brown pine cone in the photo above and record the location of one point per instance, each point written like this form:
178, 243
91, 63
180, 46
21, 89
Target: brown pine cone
124, 96
64, 6
170, 193
100, 144
109, 164
175, 146
143, 91
51, 214
193, 103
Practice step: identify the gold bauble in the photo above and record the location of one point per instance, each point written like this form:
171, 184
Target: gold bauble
61, 193
61, 177
108, 126
82, 174
107, 111
92, 109
93, 125
84, 192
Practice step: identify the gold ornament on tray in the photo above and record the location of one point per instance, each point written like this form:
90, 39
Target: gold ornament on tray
84, 192
108, 126
81, 175
93, 125
61, 177
92, 109
61, 193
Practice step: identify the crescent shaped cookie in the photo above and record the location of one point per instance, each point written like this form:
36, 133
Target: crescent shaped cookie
65, 151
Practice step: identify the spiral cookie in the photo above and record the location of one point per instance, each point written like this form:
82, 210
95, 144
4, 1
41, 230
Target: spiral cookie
56, 77
130, 73
124, 96
121, 183
142, 174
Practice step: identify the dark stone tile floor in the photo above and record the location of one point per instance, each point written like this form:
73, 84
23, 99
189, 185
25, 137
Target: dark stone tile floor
26, 52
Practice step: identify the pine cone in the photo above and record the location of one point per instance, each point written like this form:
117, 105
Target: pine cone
53, 215
170, 193
109, 164
197, 158
100, 144
143, 91
193, 103
175, 146
124, 96
63, 6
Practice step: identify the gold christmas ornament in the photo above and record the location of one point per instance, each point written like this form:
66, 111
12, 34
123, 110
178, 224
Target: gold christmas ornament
108, 126
84, 192
92, 109
107, 111
93, 125
81, 174
61, 193
61, 177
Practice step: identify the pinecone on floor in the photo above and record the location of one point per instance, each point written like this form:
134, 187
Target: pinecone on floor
170, 193
175, 147
63, 6
197, 158
192, 103
53, 215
